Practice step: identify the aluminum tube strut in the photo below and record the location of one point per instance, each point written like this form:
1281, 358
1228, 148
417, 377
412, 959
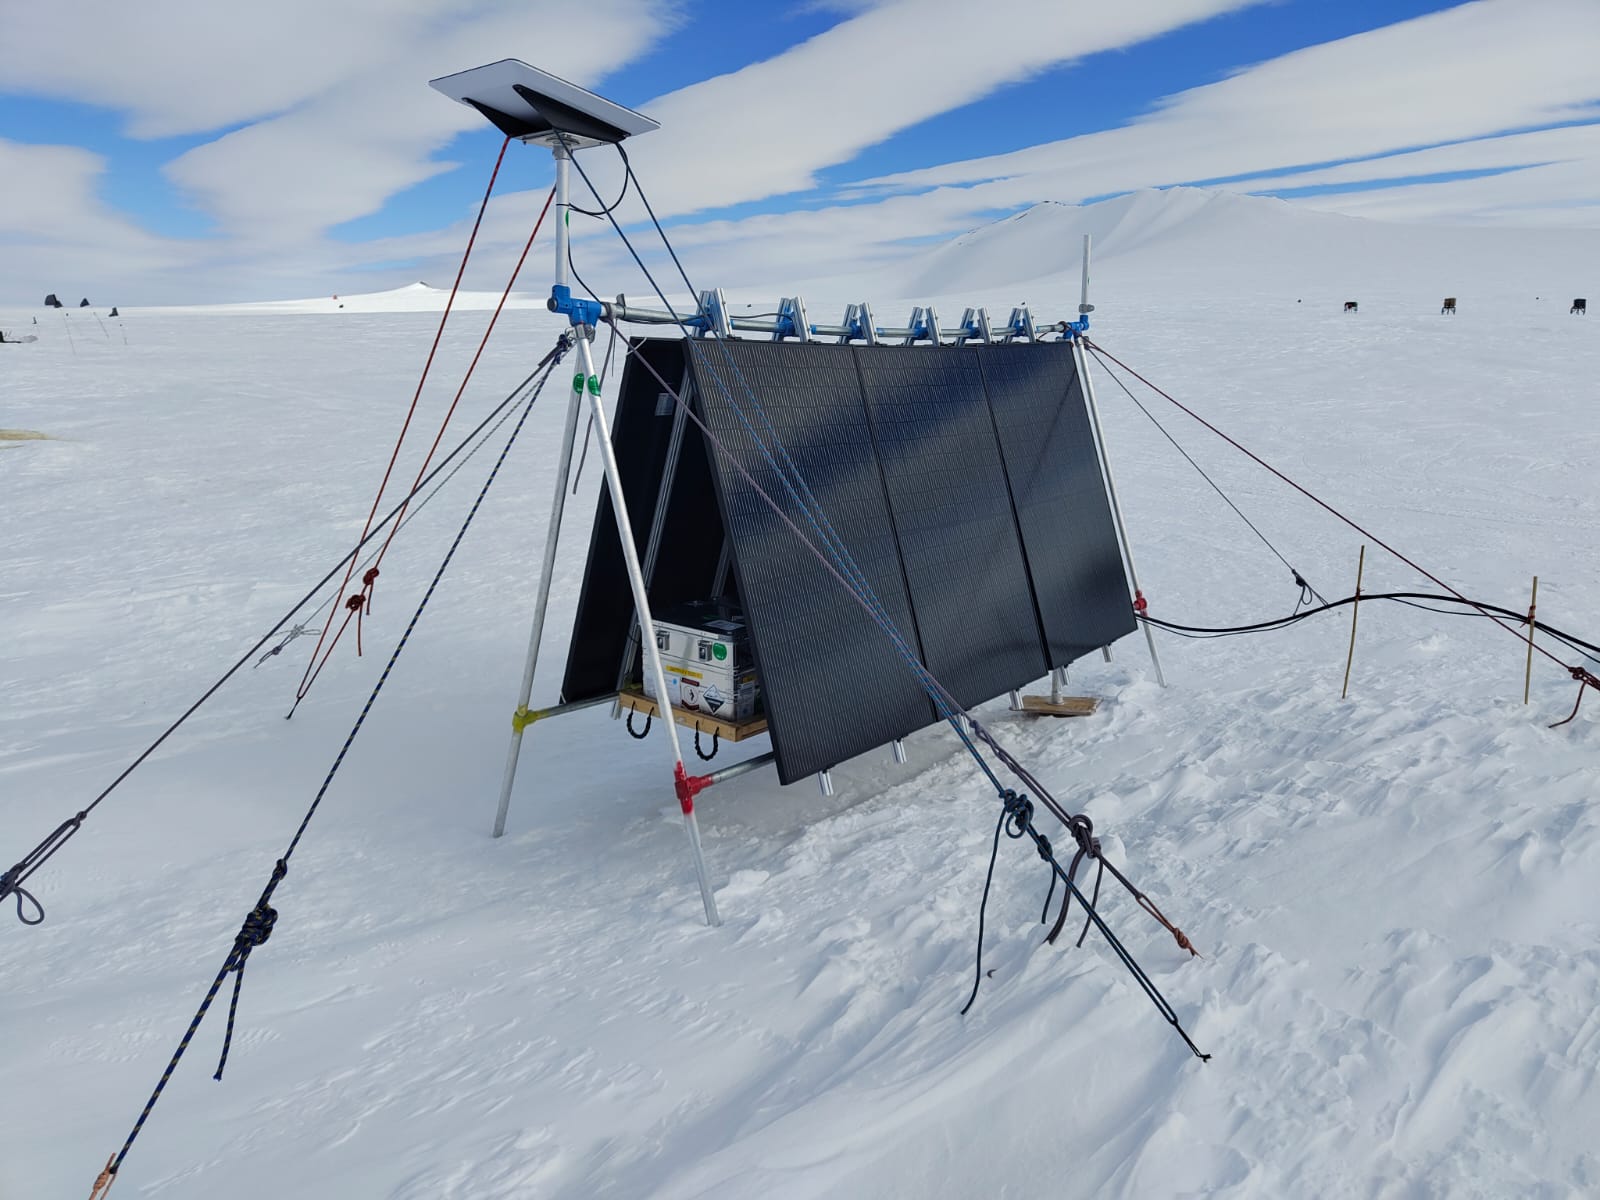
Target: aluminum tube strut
1081, 361
742, 768
641, 604
563, 208
542, 599
658, 521
1084, 307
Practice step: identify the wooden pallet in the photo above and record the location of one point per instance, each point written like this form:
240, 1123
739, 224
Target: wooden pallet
1069, 706
729, 731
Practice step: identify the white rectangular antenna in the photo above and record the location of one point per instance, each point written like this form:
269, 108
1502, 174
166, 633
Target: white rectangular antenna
535, 106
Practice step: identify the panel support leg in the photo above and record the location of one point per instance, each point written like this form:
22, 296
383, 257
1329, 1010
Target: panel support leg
1082, 362
541, 602
641, 604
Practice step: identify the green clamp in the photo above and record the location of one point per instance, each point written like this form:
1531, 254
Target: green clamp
577, 382
594, 385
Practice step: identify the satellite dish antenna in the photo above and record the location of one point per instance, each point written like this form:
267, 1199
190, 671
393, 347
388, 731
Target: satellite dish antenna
535, 106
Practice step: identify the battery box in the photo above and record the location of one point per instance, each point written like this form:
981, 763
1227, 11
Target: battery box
705, 655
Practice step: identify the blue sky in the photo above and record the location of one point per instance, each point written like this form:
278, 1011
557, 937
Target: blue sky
241, 154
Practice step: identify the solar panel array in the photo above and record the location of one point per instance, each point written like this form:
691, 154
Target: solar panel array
960, 483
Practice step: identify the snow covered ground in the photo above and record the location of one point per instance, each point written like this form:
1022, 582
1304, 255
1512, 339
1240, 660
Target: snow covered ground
1394, 894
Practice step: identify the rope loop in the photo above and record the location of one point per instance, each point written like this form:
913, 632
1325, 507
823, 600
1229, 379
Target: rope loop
11, 882
103, 1182
1082, 830
640, 735
1584, 678
716, 738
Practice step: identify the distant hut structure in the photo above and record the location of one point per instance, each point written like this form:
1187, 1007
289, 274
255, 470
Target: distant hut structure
1579, 306
1351, 306
50, 301
1449, 306
84, 303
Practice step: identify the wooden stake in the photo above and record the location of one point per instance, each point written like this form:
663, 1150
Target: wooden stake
1527, 678
1355, 611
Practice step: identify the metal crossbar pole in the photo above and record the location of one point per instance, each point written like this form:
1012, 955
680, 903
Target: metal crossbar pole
1081, 360
641, 603
742, 768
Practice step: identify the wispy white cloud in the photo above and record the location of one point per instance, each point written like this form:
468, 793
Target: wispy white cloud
340, 154
57, 234
189, 66
766, 130
1468, 72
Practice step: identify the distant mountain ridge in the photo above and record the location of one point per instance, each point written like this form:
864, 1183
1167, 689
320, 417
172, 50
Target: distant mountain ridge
1200, 240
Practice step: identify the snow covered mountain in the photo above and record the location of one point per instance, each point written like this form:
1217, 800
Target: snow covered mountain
1193, 241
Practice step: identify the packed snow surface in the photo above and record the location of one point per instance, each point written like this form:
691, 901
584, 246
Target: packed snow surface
1394, 895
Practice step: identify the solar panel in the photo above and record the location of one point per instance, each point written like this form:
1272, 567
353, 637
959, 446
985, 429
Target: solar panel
832, 682
958, 537
962, 480
1053, 472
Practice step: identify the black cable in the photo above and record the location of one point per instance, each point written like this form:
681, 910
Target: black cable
1298, 578
1476, 607
627, 179
579, 278
662, 233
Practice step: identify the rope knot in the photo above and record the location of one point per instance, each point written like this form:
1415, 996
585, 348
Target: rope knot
1018, 814
356, 602
255, 931
1082, 830
370, 577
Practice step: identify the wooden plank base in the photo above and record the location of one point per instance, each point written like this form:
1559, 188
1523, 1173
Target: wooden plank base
1070, 706
728, 731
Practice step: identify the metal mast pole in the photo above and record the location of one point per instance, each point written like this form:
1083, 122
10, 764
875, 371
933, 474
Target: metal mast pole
1081, 360
647, 628
553, 534
1111, 493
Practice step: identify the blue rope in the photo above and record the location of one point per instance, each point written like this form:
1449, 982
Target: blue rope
1016, 820
258, 924
1015, 810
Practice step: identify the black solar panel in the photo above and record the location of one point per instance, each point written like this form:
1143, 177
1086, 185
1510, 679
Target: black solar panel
958, 537
962, 480
833, 684
1059, 496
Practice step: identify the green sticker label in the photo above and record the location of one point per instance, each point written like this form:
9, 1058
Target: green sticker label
719, 652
